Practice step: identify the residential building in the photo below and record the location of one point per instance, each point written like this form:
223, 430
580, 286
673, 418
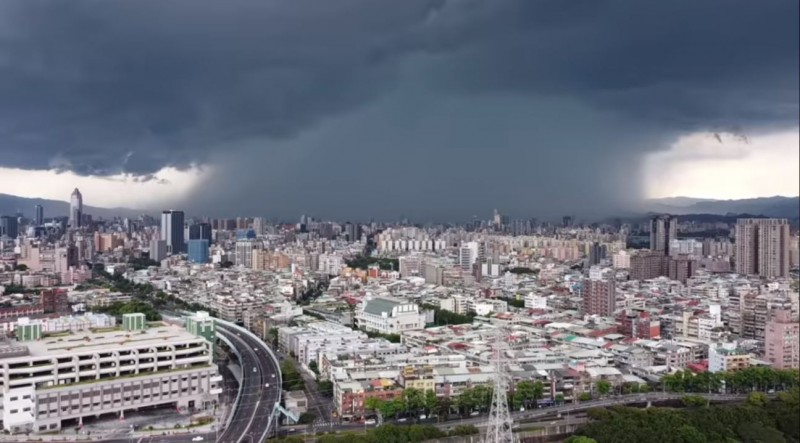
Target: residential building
663, 229
782, 341
599, 296
726, 357
762, 247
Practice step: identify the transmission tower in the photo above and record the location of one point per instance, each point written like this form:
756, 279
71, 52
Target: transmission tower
499, 427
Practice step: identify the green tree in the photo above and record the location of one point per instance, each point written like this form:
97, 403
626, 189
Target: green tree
414, 400
431, 402
585, 396
580, 439
559, 399
523, 394
603, 387
758, 399
306, 418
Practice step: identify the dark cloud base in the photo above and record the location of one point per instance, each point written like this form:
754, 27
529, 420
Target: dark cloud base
383, 108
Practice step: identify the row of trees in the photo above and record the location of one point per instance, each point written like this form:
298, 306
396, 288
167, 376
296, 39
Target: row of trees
526, 393
759, 419
390, 434
755, 378
445, 317
413, 402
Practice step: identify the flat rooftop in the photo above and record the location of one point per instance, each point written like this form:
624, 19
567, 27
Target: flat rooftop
103, 339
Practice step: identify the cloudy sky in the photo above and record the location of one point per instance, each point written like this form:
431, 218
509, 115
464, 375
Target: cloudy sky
431, 109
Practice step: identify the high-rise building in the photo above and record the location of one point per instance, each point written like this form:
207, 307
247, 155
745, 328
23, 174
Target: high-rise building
158, 249
172, 231
599, 296
75, 209
259, 225
200, 231
762, 247
198, 251
782, 340
244, 252
663, 229
566, 221
38, 215
9, 227
597, 252
645, 265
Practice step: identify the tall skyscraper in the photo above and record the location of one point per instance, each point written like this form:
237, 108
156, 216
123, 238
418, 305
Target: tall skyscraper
200, 231
39, 215
172, 231
663, 229
762, 247
9, 227
244, 252
75, 209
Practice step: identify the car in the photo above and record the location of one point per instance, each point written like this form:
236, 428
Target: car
266, 385
371, 421
273, 375
198, 438
255, 369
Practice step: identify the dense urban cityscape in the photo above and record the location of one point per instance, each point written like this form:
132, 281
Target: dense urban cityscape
399, 221
377, 323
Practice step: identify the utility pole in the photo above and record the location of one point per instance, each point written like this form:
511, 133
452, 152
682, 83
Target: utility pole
499, 427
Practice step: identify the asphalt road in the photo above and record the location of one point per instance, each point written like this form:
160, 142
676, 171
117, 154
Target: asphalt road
260, 390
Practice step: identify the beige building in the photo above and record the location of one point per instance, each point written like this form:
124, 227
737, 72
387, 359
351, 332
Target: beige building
762, 247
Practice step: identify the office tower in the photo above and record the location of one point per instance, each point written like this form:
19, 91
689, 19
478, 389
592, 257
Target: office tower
597, 252
198, 250
200, 231
663, 229
158, 249
39, 215
762, 247
566, 221
599, 296
75, 209
781, 345
645, 265
172, 231
9, 227
352, 231
467, 255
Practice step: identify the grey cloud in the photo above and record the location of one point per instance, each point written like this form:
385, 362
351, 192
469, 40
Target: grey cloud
133, 86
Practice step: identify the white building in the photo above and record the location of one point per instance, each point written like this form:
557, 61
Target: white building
389, 316
80, 374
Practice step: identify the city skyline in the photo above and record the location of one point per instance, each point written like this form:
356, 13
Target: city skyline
438, 108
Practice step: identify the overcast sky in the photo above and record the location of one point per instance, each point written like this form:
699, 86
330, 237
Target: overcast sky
429, 109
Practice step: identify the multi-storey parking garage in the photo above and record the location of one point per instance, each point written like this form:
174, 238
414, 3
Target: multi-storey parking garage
47, 380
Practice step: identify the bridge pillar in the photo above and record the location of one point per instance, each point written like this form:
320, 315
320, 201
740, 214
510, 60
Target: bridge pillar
649, 403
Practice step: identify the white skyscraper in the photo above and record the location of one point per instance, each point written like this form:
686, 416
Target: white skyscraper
75, 209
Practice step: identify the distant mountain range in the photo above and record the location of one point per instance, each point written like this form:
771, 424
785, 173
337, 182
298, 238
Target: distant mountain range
780, 207
11, 204
783, 207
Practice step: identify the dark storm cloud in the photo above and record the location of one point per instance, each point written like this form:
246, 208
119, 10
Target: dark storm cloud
133, 86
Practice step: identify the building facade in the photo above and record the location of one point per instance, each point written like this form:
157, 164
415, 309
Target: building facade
51, 379
762, 247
